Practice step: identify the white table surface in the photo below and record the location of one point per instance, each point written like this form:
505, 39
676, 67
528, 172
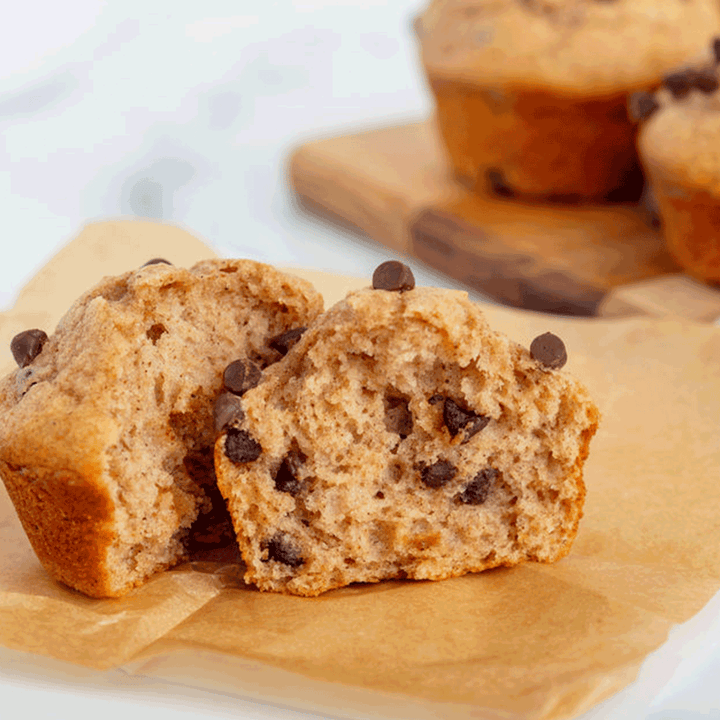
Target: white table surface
186, 111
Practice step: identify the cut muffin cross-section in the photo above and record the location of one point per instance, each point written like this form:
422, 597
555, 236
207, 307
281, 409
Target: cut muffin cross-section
402, 438
106, 439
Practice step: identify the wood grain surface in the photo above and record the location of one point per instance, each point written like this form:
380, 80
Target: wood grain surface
394, 184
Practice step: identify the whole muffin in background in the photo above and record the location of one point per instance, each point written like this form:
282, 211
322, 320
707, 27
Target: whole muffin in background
679, 144
532, 95
107, 430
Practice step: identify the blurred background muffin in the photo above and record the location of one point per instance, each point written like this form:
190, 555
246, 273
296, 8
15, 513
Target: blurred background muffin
679, 145
532, 94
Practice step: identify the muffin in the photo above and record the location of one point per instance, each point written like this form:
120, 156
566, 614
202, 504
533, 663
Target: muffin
401, 437
106, 432
679, 145
531, 95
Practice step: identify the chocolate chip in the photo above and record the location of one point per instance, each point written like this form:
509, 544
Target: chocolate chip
286, 479
227, 409
240, 376
240, 447
457, 418
156, 261
705, 80
641, 105
678, 84
476, 492
280, 549
394, 276
398, 417
284, 342
716, 50
498, 184
436, 399
27, 345
549, 350
438, 474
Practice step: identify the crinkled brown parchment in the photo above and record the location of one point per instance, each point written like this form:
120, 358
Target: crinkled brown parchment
529, 642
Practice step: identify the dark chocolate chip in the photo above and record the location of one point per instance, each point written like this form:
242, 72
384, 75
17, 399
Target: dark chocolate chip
716, 50
457, 418
436, 399
478, 489
394, 276
284, 342
549, 350
286, 479
156, 261
475, 426
280, 549
497, 183
27, 345
678, 84
154, 332
704, 80
240, 447
438, 474
227, 409
398, 417
240, 376
641, 105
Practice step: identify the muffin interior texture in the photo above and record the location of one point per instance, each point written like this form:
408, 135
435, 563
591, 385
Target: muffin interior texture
402, 438
117, 408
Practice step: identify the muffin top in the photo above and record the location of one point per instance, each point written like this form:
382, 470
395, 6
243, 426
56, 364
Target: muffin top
574, 47
679, 136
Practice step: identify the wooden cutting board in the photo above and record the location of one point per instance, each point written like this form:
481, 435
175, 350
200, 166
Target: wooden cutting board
395, 185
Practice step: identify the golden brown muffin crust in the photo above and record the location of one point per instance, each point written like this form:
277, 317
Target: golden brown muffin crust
574, 47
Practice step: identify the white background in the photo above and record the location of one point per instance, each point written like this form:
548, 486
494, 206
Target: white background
187, 112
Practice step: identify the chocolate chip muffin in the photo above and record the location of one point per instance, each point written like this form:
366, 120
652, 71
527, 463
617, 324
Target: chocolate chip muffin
106, 432
531, 95
402, 438
679, 143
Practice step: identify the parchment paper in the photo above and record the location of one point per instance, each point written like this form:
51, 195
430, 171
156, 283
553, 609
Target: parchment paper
532, 642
